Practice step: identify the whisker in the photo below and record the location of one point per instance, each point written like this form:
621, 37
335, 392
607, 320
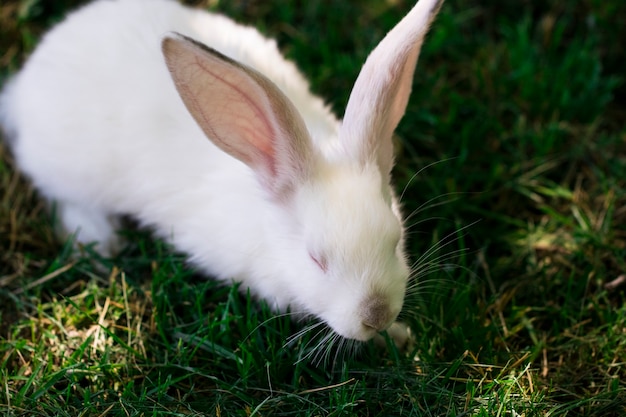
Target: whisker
411, 230
430, 203
416, 267
443, 242
434, 287
314, 350
342, 346
438, 263
273, 317
299, 334
322, 329
432, 164
321, 350
428, 219
440, 266
430, 268
431, 283
432, 261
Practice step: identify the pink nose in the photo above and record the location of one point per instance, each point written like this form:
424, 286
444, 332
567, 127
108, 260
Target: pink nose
376, 313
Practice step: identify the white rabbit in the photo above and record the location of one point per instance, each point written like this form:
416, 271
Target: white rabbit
283, 197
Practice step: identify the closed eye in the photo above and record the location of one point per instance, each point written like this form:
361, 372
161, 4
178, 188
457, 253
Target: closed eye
320, 261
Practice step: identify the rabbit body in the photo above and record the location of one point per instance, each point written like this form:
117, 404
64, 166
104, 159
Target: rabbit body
97, 124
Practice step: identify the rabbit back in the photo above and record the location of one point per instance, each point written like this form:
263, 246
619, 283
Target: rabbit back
95, 98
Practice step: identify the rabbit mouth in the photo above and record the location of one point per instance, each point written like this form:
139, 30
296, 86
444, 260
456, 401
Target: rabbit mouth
375, 314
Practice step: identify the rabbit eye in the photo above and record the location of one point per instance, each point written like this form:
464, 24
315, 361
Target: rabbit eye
320, 261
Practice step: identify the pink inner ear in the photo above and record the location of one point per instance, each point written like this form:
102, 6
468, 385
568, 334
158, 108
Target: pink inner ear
237, 114
242, 112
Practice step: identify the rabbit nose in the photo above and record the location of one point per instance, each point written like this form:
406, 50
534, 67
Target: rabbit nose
376, 314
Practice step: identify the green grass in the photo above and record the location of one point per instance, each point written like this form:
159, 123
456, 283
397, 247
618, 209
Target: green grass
516, 125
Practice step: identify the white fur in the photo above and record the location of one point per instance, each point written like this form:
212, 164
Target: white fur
101, 130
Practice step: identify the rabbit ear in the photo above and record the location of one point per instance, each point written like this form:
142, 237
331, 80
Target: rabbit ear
381, 91
242, 112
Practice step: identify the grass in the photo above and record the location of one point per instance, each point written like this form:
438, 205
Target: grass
516, 129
